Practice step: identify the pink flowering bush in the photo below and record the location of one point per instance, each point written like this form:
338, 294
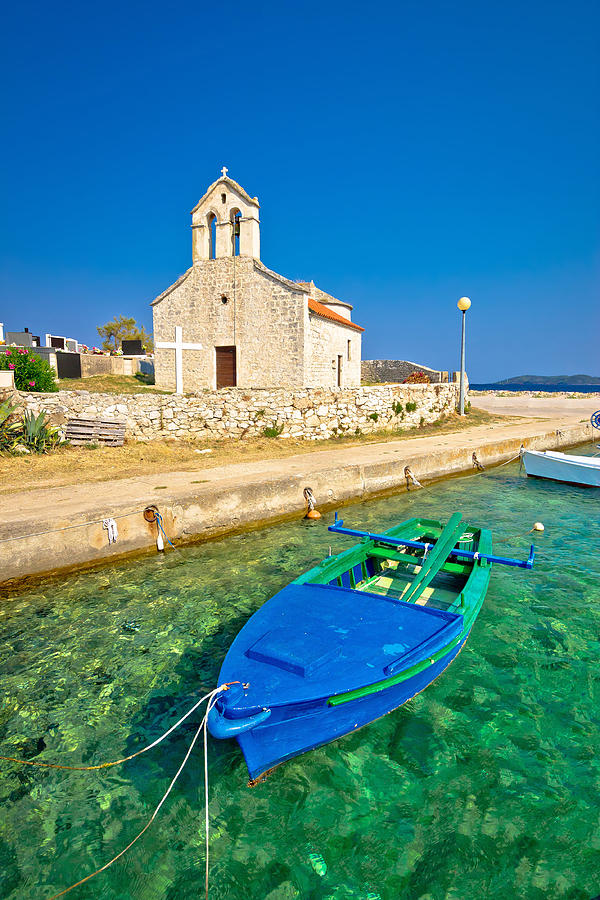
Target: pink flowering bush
32, 373
417, 378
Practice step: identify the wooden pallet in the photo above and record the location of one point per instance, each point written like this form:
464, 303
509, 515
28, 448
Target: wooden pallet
95, 431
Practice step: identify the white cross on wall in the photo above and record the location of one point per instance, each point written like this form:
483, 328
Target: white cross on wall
224, 171
178, 346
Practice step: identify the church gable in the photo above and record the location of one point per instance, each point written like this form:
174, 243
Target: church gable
225, 183
225, 222
229, 321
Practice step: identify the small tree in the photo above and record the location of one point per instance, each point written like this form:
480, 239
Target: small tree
123, 328
146, 339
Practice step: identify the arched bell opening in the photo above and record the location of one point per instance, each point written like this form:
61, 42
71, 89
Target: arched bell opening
235, 217
212, 236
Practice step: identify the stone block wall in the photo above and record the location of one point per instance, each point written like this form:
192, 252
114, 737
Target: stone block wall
327, 342
309, 413
396, 370
95, 364
234, 301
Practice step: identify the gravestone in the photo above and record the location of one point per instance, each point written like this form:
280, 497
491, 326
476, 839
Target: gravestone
132, 348
58, 342
22, 338
68, 364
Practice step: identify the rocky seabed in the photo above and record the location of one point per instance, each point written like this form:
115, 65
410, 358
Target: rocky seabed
310, 414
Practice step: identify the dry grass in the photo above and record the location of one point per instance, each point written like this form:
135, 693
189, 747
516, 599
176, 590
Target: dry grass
112, 384
75, 465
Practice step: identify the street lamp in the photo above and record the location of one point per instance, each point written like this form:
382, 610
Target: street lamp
463, 304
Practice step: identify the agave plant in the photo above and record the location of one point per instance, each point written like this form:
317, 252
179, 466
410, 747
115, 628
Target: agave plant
37, 434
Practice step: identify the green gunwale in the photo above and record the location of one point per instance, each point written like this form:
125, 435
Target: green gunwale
394, 679
468, 602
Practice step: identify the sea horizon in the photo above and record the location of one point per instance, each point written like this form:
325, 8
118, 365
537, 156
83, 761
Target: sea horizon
531, 386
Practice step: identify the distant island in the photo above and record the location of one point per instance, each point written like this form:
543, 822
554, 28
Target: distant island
552, 379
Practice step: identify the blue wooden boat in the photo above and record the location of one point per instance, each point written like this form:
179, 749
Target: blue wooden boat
353, 639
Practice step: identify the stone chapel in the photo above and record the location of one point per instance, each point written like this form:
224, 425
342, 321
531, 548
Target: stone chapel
229, 321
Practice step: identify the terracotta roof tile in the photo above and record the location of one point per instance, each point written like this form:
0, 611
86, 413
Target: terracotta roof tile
319, 309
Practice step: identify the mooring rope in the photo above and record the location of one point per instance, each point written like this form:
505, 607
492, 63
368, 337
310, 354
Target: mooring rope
117, 762
134, 512
159, 522
20, 537
481, 470
211, 697
210, 705
310, 498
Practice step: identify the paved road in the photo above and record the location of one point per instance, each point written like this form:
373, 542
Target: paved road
51, 529
48, 507
563, 408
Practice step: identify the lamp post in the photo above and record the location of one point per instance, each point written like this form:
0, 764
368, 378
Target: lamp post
463, 304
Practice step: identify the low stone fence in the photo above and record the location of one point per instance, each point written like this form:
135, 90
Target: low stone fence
310, 413
396, 370
97, 364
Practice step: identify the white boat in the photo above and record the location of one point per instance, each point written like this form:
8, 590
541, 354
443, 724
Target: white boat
582, 470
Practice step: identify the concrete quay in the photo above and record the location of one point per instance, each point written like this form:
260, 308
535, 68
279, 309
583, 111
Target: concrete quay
53, 530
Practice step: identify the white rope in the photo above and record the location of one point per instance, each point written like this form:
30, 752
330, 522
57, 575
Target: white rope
113, 532
211, 696
210, 705
20, 537
117, 762
507, 461
482, 471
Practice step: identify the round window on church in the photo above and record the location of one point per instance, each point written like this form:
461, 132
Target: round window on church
224, 299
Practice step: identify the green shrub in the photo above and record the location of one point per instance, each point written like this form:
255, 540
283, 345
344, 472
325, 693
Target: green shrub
10, 430
32, 432
37, 434
374, 416
411, 406
32, 373
144, 377
397, 408
273, 431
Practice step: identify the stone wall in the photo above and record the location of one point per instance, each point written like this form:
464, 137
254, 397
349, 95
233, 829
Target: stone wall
97, 364
232, 302
327, 341
396, 370
309, 413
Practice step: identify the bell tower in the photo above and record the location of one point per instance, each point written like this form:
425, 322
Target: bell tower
225, 222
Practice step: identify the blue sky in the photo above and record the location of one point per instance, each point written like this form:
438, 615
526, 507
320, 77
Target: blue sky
404, 154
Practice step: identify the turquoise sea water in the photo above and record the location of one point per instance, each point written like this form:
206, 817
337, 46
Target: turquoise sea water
485, 785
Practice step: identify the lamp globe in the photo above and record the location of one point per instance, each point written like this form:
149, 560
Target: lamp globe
463, 304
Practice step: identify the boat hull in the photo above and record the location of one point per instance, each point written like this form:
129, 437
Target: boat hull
351, 640
582, 471
290, 732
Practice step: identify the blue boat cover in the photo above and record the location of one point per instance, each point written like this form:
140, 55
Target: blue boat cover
311, 641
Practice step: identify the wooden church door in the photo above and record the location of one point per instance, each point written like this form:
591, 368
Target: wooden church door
226, 367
